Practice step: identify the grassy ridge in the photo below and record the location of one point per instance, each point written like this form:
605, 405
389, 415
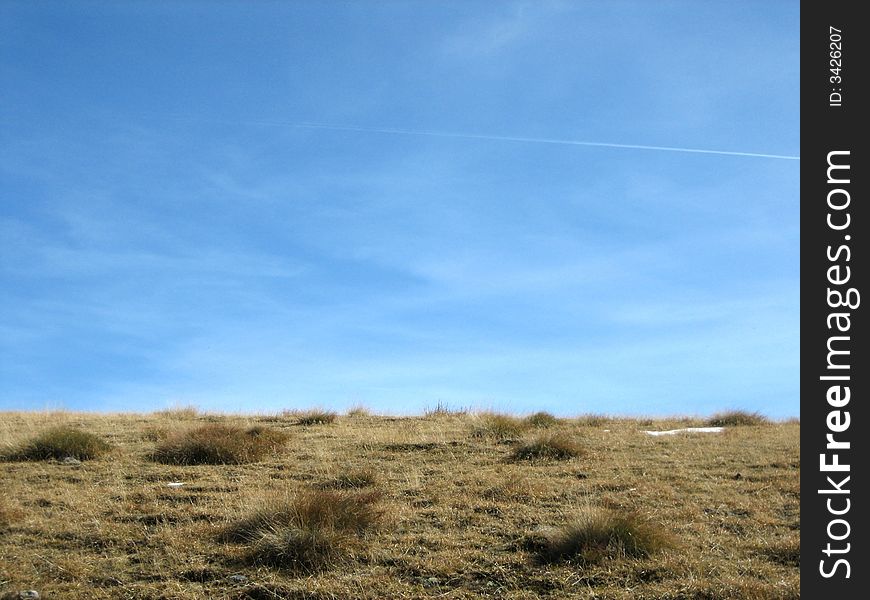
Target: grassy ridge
453, 504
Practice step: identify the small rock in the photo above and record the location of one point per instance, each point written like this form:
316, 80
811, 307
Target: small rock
31, 594
69, 460
238, 578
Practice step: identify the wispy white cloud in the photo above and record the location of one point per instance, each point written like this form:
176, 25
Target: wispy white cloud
472, 221
488, 35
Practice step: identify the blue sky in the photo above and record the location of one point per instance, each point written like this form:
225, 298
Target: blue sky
172, 235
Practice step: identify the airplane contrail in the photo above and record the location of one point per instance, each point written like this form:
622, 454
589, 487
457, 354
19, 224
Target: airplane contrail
480, 136
535, 140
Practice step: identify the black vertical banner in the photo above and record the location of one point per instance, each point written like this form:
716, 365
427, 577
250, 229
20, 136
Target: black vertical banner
835, 373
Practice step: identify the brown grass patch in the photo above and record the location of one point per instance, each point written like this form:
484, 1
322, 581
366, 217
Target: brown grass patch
737, 418
461, 513
559, 446
352, 480
179, 413
515, 488
358, 411
786, 552
442, 409
9, 515
592, 420
499, 426
312, 532
596, 535
60, 442
316, 417
541, 420
218, 444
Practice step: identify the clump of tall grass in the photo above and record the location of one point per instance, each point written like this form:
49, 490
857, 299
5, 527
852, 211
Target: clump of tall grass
358, 411
219, 444
592, 420
312, 532
735, 418
559, 446
61, 442
499, 426
315, 417
442, 409
596, 535
180, 412
541, 420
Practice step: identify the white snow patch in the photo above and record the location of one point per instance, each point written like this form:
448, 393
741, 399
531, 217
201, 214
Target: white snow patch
174, 484
687, 430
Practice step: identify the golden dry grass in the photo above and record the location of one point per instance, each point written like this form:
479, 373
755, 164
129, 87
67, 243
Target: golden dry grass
541, 420
351, 480
218, 444
358, 411
596, 535
314, 416
549, 446
178, 412
313, 531
462, 519
499, 426
61, 442
736, 418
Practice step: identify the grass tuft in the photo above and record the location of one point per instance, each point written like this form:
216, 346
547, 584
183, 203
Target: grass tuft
735, 418
541, 420
218, 444
555, 445
358, 411
442, 409
352, 480
302, 550
316, 417
597, 535
499, 426
312, 532
178, 412
592, 420
60, 442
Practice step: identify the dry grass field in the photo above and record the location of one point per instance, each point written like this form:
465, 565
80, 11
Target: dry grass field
319, 506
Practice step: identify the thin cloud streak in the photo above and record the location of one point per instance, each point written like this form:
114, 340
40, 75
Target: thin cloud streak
532, 140
481, 136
